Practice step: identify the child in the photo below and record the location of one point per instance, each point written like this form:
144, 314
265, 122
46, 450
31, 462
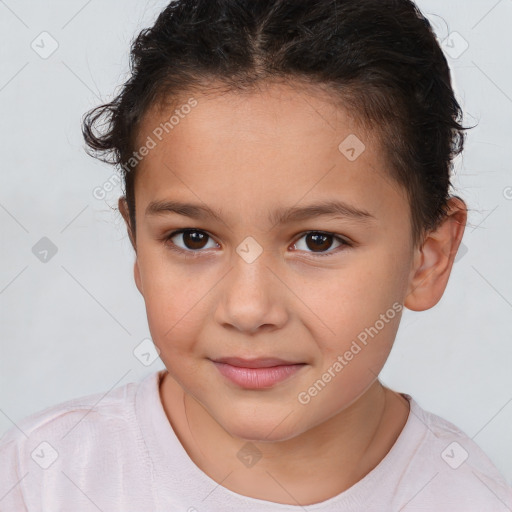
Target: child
287, 171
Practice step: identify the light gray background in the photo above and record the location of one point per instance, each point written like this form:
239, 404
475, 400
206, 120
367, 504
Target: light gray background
70, 325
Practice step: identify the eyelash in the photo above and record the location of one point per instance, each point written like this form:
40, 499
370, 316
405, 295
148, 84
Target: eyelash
194, 254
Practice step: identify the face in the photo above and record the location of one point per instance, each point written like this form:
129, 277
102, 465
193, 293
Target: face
321, 289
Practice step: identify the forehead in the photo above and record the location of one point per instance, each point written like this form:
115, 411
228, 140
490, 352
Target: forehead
278, 144
273, 113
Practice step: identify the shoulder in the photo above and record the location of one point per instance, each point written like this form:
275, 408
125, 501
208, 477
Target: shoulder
104, 408
63, 436
450, 470
81, 450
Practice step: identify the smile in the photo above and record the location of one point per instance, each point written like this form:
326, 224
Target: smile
257, 378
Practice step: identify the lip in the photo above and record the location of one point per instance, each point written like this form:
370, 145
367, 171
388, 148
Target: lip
262, 373
260, 362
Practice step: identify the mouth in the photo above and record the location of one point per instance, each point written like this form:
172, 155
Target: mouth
260, 362
256, 373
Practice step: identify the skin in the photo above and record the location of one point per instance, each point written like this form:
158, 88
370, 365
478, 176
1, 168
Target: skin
245, 155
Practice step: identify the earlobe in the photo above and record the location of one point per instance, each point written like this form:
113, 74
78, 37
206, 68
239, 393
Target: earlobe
433, 261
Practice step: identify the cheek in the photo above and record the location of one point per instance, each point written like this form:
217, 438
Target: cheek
356, 294
359, 308
358, 326
173, 302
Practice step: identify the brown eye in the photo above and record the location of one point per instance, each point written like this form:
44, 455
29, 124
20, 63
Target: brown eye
192, 239
317, 243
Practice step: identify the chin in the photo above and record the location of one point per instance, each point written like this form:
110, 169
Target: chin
262, 430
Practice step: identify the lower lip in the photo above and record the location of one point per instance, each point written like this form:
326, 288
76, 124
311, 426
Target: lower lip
257, 378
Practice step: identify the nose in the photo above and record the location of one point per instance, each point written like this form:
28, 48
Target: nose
252, 298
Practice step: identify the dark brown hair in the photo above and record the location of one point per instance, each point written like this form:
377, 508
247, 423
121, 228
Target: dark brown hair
380, 59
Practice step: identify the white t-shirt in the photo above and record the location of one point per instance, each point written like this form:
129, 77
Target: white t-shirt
118, 452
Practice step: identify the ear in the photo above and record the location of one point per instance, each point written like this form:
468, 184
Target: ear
123, 208
433, 261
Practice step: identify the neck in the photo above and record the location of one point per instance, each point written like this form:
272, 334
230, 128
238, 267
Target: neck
311, 467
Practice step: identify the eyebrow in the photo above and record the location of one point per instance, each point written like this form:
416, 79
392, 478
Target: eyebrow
335, 209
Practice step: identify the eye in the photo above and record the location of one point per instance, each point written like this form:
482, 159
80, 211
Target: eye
193, 241
322, 241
